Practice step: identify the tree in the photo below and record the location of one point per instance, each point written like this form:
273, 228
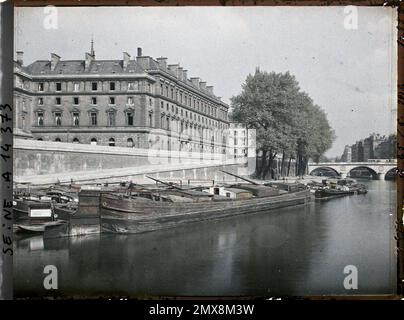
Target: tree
286, 121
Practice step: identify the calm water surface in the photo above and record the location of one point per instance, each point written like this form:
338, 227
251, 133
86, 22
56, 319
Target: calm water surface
292, 251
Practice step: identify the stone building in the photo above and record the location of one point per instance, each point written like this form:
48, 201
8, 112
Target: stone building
134, 102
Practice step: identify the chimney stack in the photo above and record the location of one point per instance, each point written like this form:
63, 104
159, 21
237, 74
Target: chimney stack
202, 85
54, 60
139, 52
89, 59
162, 63
184, 75
20, 57
126, 58
195, 82
179, 73
210, 89
174, 68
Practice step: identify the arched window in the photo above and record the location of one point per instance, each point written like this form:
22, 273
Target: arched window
76, 140
93, 141
57, 139
129, 143
112, 142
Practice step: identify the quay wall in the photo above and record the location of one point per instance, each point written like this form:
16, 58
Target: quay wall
44, 162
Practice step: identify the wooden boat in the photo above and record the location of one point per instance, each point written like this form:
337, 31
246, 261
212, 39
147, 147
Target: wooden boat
141, 213
332, 193
40, 227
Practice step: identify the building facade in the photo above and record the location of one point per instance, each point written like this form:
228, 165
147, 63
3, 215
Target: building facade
141, 102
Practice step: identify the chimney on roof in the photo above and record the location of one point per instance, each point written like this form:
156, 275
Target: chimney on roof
202, 85
139, 52
89, 59
20, 57
126, 58
179, 73
184, 75
162, 63
174, 68
54, 60
210, 89
195, 82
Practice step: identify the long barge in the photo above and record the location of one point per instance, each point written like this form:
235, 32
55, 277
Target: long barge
136, 215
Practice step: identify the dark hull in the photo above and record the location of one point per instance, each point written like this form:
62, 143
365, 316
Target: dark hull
332, 193
128, 216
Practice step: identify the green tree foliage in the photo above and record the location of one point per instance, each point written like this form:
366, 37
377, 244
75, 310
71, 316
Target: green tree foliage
286, 120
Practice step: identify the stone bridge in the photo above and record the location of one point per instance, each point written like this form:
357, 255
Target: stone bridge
378, 168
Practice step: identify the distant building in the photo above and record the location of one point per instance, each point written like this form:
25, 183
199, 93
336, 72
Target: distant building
347, 155
375, 146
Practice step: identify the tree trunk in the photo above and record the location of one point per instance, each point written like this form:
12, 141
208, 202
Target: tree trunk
290, 162
268, 168
261, 165
283, 164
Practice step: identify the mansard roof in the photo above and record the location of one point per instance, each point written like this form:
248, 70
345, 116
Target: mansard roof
72, 67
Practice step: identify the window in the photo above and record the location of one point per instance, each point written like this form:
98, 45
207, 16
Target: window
75, 140
111, 100
58, 86
150, 120
111, 118
112, 86
130, 101
172, 93
93, 118
57, 101
40, 119
94, 86
76, 87
129, 143
76, 101
57, 140
76, 120
40, 86
94, 100
168, 107
133, 85
150, 102
168, 123
162, 105
58, 119
111, 142
149, 88
40, 101
129, 117
161, 89
93, 141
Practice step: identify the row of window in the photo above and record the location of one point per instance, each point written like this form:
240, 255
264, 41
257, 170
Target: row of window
93, 118
77, 86
93, 100
192, 116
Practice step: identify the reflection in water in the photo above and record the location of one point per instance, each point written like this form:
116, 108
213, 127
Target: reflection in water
292, 251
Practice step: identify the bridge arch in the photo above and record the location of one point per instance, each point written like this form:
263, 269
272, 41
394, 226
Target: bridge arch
374, 174
312, 172
391, 174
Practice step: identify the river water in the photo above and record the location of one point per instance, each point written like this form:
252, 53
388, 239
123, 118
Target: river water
293, 251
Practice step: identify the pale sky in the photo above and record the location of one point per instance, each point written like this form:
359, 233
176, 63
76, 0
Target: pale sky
349, 73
